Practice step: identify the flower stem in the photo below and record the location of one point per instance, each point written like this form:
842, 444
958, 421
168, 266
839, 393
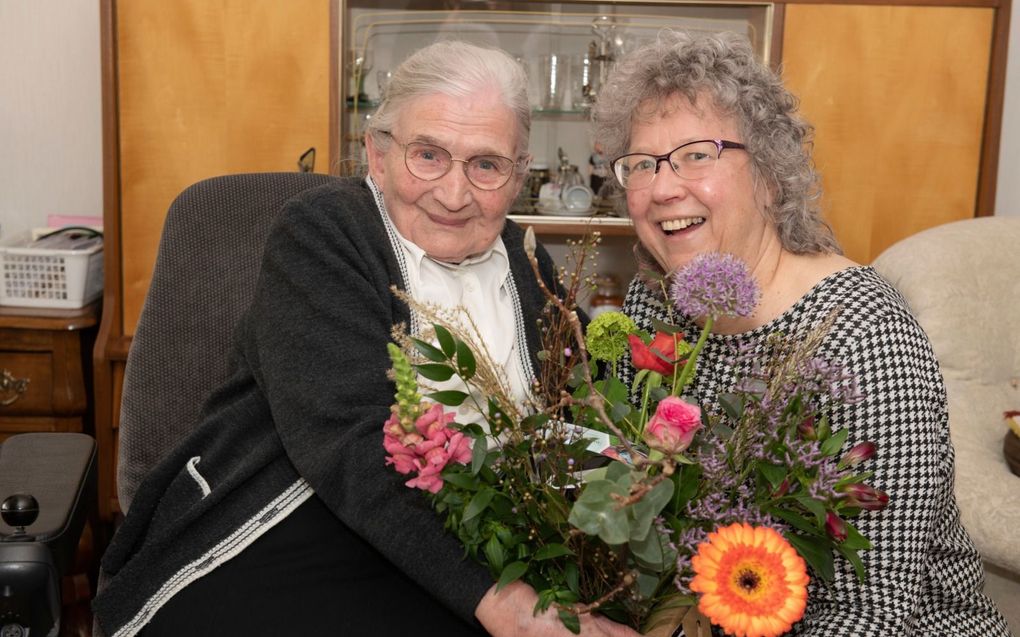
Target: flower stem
688, 373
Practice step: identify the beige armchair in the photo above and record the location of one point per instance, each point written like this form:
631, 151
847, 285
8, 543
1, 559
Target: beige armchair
962, 281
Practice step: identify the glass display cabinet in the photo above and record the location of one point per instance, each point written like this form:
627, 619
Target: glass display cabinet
567, 50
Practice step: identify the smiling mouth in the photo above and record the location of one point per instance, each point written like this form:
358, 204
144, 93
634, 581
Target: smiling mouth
676, 225
453, 222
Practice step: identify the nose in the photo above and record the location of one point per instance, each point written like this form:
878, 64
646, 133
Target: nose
453, 190
667, 184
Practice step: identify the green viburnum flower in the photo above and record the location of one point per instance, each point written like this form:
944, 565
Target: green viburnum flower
607, 336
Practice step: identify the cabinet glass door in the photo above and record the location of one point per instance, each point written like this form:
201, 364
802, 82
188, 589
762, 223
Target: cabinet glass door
567, 49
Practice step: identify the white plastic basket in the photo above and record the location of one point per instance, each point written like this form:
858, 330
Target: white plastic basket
43, 277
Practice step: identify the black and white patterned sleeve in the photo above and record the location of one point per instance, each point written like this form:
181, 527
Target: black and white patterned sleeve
923, 574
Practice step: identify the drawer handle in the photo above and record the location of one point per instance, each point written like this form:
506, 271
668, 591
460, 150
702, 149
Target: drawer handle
11, 388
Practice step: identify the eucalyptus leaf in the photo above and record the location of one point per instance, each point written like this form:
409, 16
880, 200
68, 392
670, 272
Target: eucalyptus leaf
732, 404
619, 411
648, 550
647, 584
722, 432
649, 506
615, 470
596, 513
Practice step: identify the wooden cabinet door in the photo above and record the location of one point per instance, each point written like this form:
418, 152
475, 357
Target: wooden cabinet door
206, 88
897, 96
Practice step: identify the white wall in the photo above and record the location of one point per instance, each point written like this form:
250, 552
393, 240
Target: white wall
50, 111
50, 114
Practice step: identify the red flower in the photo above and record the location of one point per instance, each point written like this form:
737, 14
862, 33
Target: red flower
858, 454
835, 526
654, 356
865, 497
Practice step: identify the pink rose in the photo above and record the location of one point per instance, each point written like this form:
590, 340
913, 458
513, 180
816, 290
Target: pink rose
673, 426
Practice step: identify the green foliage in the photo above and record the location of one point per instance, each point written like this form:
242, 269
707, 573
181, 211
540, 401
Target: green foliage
527, 506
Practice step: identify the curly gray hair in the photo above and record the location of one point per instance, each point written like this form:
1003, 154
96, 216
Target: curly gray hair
454, 68
723, 67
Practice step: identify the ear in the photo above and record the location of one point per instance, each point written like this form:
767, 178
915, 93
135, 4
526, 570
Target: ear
376, 159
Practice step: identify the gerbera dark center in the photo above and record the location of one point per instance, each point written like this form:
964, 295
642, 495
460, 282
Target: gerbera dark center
748, 580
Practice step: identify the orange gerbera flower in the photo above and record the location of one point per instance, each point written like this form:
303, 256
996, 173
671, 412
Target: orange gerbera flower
752, 582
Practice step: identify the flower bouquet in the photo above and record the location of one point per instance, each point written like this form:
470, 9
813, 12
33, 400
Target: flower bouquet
630, 498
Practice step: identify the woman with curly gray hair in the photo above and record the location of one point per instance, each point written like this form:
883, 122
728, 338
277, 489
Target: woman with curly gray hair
712, 154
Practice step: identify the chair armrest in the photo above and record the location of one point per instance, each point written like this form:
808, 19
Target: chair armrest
59, 470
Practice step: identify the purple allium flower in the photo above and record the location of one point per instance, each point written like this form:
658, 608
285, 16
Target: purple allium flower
715, 284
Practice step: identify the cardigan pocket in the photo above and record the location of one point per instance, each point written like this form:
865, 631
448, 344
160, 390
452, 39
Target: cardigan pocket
186, 497
192, 467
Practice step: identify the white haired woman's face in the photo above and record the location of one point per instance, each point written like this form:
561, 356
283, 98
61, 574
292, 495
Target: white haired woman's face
449, 218
677, 218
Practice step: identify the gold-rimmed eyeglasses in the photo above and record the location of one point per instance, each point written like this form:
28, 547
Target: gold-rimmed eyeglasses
429, 162
693, 160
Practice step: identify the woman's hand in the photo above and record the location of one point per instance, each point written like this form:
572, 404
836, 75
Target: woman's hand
510, 613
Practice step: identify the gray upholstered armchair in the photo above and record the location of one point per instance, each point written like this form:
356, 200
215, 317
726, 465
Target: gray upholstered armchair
204, 278
962, 281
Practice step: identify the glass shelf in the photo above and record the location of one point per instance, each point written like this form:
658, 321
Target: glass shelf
564, 225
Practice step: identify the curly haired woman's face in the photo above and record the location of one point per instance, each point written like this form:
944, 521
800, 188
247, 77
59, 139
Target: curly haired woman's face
677, 218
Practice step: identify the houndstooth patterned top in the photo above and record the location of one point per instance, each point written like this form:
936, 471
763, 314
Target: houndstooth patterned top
924, 575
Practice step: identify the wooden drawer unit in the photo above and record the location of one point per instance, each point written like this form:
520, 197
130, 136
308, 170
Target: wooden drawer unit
45, 371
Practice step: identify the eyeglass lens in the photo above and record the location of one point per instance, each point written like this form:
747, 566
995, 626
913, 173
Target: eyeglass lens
690, 161
429, 162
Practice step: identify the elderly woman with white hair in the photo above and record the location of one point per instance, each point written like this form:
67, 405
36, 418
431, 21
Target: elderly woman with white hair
279, 514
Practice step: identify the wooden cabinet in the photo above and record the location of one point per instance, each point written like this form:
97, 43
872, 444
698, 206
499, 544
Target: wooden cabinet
906, 97
898, 97
45, 369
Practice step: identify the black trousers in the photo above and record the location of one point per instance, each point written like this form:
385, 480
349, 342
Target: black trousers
308, 575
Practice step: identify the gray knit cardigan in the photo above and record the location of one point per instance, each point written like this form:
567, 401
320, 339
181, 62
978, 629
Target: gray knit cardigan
302, 412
